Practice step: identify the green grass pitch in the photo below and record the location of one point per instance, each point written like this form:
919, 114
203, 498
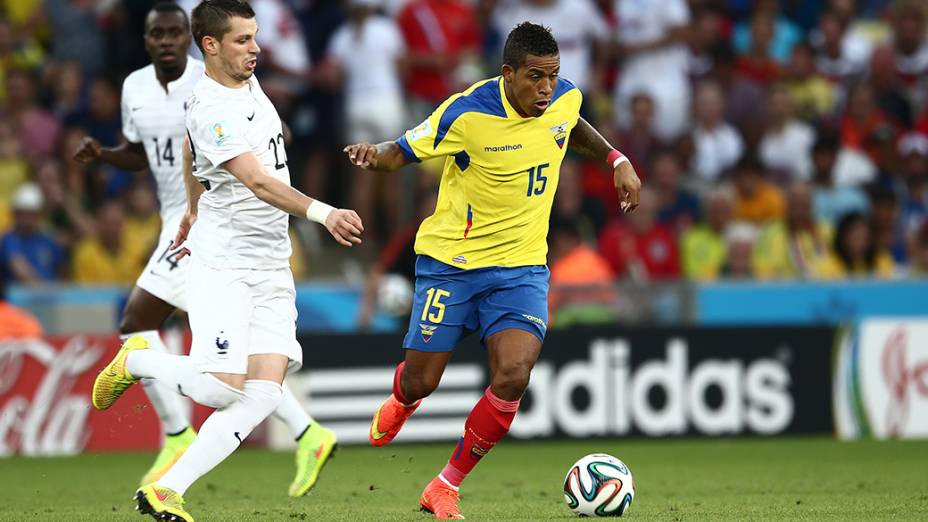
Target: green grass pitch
741, 479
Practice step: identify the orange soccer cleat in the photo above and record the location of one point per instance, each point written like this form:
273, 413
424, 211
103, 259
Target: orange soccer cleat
389, 419
441, 500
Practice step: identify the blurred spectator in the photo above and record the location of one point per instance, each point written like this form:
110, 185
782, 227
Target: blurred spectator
756, 199
911, 47
792, 247
840, 56
579, 28
889, 92
68, 219
641, 249
571, 205
442, 40
918, 252
862, 120
703, 247
143, 220
397, 258
887, 227
707, 33
913, 149
716, 144
38, 130
812, 94
830, 199
582, 289
16, 54
855, 253
651, 38
847, 166
27, 254
14, 170
786, 146
16, 323
367, 53
756, 63
68, 101
744, 98
102, 118
77, 35
284, 62
639, 141
784, 33
109, 256
677, 207
740, 239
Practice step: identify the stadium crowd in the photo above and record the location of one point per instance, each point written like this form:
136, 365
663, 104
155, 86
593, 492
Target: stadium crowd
776, 139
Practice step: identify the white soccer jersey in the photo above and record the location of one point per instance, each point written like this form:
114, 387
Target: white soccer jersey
234, 228
154, 117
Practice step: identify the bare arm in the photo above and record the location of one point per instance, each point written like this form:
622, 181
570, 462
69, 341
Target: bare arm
384, 157
128, 156
588, 142
344, 225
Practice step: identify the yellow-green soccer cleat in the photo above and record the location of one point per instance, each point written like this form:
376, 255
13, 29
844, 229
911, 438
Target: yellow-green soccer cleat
114, 380
174, 447
317, 446
161, 503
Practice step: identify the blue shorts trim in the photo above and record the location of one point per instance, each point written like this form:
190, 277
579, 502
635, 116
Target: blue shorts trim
450, 303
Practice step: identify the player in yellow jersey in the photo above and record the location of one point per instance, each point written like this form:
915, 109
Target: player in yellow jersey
482, 254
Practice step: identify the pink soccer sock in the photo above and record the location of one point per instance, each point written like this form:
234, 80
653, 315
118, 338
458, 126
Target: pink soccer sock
486, 425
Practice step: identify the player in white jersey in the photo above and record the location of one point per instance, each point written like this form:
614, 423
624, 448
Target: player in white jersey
154, 101
241, 291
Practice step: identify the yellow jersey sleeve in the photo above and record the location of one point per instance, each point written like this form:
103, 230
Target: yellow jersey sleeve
441, 134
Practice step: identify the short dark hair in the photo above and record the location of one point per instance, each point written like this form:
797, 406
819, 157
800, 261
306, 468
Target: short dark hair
528, 38
211, 18
170, 7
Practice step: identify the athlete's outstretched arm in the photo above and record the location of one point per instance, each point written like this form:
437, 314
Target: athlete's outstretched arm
384, 157
127, 156
344, 225
587, 141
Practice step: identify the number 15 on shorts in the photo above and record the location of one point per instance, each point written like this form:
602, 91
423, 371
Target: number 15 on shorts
433, 301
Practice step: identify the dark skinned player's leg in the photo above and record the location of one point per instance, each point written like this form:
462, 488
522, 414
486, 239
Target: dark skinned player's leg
143, 316
512, 354
419, 375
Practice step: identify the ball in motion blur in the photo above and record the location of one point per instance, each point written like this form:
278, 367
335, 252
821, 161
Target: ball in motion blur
599, 485
394, 295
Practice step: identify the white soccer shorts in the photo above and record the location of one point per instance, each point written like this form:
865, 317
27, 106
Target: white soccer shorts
238, 313
165, 277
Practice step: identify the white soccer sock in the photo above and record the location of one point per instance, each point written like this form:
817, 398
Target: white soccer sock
167, 403
180, 375
222, 433
291, 412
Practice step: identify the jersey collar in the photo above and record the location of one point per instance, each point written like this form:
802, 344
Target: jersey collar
511, 111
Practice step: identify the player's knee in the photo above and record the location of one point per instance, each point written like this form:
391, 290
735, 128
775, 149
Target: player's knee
416, 387
511, 380
210, 391
263, 397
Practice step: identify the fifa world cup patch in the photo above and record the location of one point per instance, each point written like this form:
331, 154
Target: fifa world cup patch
423, 130
427, 331
219, 133
560, 134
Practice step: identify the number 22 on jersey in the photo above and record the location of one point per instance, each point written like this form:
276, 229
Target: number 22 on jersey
433, 300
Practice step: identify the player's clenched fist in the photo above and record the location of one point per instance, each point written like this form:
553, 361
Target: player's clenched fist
363, 155
88, 150
345, 226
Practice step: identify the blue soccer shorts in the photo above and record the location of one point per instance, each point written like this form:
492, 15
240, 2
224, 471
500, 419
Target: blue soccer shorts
450, 303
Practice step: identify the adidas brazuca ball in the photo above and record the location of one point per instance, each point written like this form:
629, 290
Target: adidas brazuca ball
599, 485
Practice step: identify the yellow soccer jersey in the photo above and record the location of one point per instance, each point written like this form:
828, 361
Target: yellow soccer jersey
499, 178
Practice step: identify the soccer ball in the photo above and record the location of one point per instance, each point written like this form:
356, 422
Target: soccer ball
394, 295
599, 485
